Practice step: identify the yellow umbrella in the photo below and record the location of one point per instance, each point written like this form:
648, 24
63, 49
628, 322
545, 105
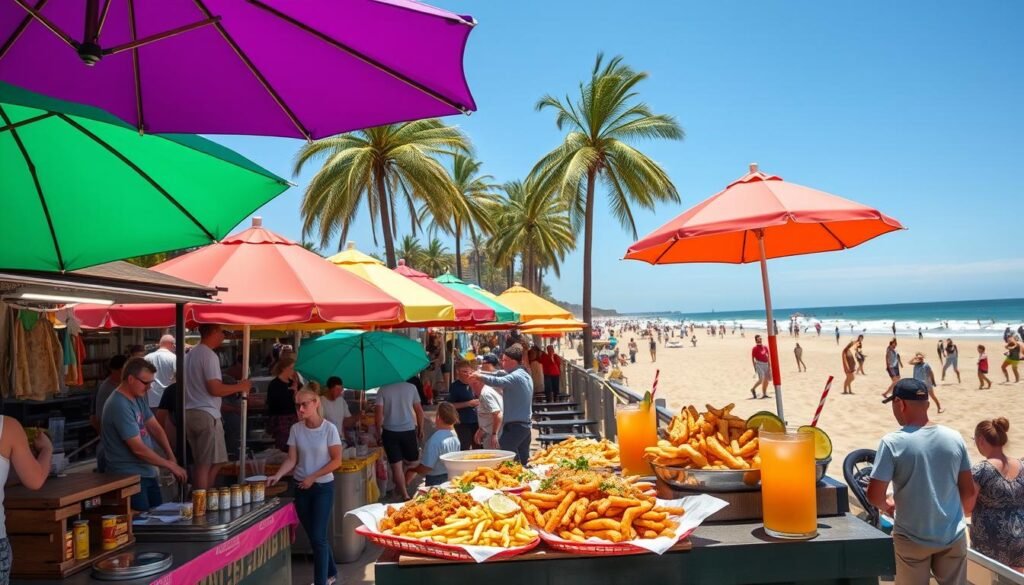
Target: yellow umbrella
530, 306
551, 326
421, 306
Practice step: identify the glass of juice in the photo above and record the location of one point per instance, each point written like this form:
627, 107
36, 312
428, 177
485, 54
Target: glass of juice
788, 484
637, 429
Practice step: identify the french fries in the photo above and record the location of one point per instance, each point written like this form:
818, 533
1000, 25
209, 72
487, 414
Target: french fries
456, 518
577, 504
509, 474
603, 453
714, 439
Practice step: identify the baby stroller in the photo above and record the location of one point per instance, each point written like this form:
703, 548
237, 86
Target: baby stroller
857, 473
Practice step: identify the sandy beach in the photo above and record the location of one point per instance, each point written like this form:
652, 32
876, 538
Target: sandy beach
718, 371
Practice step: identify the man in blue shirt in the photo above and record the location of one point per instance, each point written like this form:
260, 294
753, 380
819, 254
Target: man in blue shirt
465, 402
516, 387
130, 434
930, 471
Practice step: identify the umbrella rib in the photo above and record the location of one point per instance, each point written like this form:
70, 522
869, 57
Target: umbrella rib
22, 26
362, 57
34, 13
136, 68
743, 248
39, 189
145, 176
834, 236
255, 71
103, 17
25, 122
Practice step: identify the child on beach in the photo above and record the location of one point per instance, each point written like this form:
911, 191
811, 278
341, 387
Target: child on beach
983, 369
924, 373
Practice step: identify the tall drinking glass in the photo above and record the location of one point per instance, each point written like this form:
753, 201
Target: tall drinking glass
637, 429
788, 479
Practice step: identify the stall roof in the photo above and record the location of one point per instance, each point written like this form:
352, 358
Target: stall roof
117, 282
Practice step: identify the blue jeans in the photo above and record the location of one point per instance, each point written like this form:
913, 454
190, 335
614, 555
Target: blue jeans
149, 496
314, 509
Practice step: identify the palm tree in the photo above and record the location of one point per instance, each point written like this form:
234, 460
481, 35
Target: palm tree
387, 166
534, 224
435, 258
472, 211
411, 251
602, 122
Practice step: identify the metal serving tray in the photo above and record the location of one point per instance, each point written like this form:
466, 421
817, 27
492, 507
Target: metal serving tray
215, 525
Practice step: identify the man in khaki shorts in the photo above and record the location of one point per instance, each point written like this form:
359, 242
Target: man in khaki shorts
204, 390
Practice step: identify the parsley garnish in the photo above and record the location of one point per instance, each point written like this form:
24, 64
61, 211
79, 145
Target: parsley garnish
547, 484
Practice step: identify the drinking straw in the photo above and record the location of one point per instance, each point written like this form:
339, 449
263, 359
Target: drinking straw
821, 403
654, 386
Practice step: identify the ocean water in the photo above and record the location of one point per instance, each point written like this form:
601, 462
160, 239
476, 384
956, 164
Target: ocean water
982, 318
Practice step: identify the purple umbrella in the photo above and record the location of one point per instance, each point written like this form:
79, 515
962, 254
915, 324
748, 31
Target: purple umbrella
307, 69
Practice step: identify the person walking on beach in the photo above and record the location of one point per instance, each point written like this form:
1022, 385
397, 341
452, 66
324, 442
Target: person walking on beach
654, 350
930, 471
920, 334
762, 367
893, 363
837, 334
817, 328
942, 352
633, 349
849, 360
923, 373
314, 452
894, 328
952, 359
983, 381
859, 354
1012, 354
998, 513
799, 353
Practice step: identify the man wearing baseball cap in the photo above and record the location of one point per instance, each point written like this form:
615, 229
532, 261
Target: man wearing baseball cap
930, 471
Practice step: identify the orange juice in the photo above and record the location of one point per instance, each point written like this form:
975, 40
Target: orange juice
637, 429
788, 484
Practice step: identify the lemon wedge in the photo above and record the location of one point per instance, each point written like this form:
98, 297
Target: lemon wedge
766, 421
502, 505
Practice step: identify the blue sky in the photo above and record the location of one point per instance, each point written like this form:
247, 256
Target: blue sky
914, 108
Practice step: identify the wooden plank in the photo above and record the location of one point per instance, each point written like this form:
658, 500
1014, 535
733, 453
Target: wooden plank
22, 520
61, 570
37, 548
64, 491
541, 553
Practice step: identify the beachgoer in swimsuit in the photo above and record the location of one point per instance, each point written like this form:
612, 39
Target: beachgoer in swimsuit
799, 353
952, 359
1012, 354
859, 354
893, 363
849, 366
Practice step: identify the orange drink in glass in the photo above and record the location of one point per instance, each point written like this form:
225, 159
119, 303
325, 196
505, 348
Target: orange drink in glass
637, 429
788, 480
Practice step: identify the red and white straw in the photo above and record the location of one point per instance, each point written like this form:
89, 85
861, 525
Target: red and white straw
654, 386
821, 403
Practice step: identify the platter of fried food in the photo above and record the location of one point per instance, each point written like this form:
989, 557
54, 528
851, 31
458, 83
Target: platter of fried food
714, 439
452, 524
603, 453
586, 510
509, 476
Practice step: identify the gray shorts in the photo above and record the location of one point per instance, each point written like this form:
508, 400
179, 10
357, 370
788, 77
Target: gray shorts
205, 435
764, 370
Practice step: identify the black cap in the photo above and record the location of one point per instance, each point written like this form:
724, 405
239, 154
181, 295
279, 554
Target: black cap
908, 389
490, 358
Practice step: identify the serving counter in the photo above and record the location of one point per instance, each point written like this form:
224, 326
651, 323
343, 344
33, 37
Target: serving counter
248, 545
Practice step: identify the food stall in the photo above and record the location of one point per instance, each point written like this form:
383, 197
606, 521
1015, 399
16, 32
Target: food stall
249, 542
732, 544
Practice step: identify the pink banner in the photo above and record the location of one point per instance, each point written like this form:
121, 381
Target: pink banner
234, 549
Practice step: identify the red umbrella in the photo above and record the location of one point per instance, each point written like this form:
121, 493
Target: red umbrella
468, 311
757, 217
267, 280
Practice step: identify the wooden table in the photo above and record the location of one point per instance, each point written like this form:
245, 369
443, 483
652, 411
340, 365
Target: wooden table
846, 550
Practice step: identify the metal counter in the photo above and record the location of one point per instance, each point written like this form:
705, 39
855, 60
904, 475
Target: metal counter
213, 526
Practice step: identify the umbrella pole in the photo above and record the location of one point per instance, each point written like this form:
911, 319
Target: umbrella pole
246, 338
773, 345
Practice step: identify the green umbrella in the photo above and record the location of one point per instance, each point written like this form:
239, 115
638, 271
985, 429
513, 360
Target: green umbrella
502, 314
362, 359
80, 187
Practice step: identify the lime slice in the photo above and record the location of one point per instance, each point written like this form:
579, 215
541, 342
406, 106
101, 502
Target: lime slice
822, 444
502, 505
766, 421
646, 402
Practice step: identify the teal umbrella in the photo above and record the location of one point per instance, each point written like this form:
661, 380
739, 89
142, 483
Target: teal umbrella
502, 314
362, 359
79, 187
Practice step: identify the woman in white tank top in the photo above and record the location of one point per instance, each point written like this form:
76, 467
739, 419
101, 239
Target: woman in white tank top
32, 471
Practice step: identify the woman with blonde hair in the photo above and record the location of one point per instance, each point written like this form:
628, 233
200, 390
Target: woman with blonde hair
314, 452
997, 520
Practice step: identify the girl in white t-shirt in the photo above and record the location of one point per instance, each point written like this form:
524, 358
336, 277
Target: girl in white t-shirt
314, 452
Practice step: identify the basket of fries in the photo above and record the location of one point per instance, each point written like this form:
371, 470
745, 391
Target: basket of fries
478, 525
593, 512
600, 454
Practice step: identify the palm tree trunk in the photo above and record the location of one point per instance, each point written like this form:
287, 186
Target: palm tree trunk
458, 250
588, 244
385, 219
